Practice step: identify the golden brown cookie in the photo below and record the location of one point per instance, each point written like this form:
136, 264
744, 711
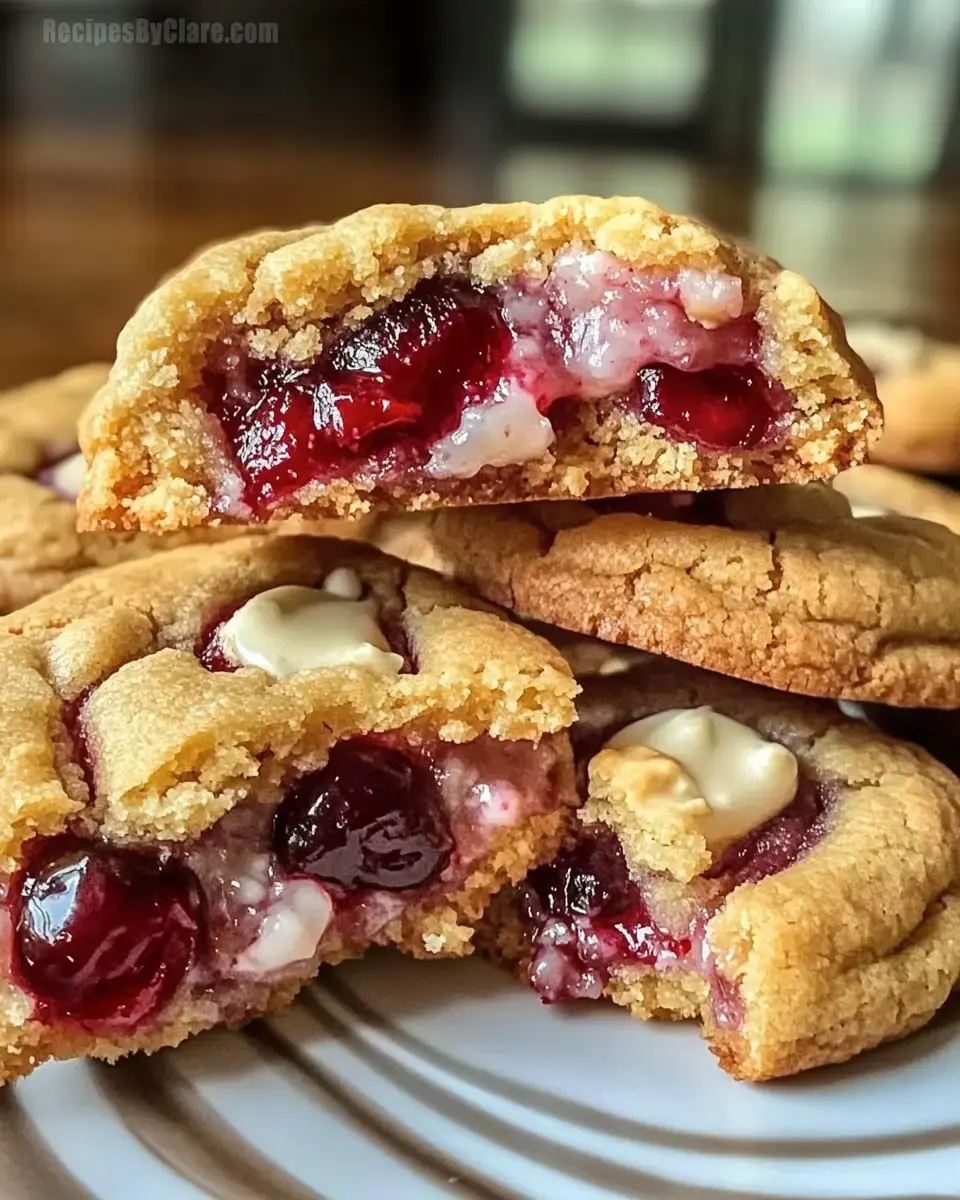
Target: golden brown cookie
413, 357
919, 385
40, 473
38, 420
759, 862
781, 586
875, 491
228, 764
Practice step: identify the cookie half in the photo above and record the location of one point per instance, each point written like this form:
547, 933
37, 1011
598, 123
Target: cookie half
785, 875
229, 764
41, 469
413, 357
781, 586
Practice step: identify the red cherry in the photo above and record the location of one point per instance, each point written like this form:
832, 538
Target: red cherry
103, 937
724, 408
372, 817
394, 385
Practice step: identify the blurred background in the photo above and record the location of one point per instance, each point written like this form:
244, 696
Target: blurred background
826, 131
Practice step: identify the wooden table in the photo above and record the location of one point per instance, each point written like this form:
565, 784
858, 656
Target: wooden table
90, 222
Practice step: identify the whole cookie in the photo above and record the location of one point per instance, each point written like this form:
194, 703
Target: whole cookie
787, 876
781, 586
226, 765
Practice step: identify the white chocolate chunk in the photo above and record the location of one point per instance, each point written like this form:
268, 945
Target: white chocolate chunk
290, 629
66, 476
345, 583
291, 929
710, 297
740, 778
862, 511
509, 428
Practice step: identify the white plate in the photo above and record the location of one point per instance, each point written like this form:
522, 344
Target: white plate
396, 1080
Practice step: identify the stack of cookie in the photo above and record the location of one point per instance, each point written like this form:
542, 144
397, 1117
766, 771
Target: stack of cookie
226, 765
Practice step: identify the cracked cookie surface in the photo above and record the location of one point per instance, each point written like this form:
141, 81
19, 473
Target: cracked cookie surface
132, 738
207, 412
781, 586
830, 929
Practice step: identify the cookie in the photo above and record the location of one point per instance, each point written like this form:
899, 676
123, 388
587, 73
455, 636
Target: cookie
919, 384
781, 586
758, 862
411, 357
241, 761
38, 420
875, 491
40, 473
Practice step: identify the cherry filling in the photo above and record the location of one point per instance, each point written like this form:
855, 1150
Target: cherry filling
585, 916
392, 394
390, 387
723, 409
103, 937
372, 817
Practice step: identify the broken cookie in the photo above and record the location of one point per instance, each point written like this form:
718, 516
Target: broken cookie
413, 356
230, 764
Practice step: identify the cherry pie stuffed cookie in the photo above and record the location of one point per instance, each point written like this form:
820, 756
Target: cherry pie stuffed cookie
226, 765
41, 470
410, 357
760, 862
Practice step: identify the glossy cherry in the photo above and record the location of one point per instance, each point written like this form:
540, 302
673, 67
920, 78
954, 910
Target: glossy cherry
371, 818
102, 936
390, 386
724, 408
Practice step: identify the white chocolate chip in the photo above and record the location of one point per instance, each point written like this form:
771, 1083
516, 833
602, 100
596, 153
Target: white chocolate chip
345, 583
709, 297
290, 629
66, 476
741, 779
291, 929
508, 428
434, 943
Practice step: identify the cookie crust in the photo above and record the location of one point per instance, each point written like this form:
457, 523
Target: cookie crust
154, 453
791, 592
856, 943
176, 747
